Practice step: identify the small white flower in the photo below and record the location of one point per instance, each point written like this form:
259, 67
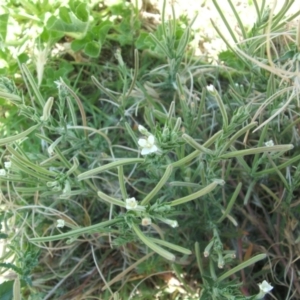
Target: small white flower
2, 172
60, 223
265, 287
269, 143
211, 88
7, 164
146, 221
131, 203
148, 145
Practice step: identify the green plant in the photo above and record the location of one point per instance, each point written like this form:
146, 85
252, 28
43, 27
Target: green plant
167, 172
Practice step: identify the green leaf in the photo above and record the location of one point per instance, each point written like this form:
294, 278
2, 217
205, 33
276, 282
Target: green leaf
82, 12
231, 60
64, 15
3, 27
23, 58
16, 137
6, 290
50, 36
141, 42
117, 163
92, 49
52, 74
68, 23
150, 42
119, 8
11, 266
287, 55
100, 31
78, 45
3, 235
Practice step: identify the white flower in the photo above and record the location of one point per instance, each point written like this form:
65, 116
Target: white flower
60, 223
265, 287
7, 164
131, 203
146, 221
2, 172
269, 143
211, 88
148, 145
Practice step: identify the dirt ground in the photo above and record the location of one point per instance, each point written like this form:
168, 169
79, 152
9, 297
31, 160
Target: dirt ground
206, 39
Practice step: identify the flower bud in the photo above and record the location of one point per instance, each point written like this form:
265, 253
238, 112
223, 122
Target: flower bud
47, 109
146, 221
60, 223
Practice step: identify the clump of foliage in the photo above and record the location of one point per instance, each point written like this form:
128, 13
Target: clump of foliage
131, 165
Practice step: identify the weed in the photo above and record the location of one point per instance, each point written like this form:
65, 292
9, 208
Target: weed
127, 180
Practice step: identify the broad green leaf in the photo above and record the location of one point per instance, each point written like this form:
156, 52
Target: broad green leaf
6, 290
230, 59
64, 15
141, 43
69, 23
100, 31
92, 49
82, 12
78, 45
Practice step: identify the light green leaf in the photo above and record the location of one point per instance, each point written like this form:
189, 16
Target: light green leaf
120, 162
69, 23
16, 137
3, 27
